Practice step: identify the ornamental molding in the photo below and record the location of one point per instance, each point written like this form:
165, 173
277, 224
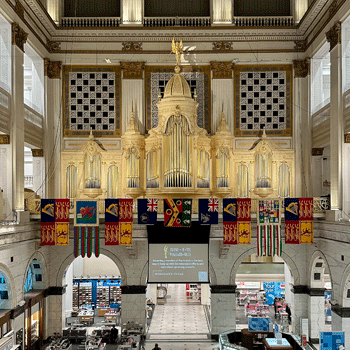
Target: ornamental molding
52, 69
53, 46
222, 46
334, 35
131, 46
19, 36
301, 68
132, 70
333, 8
222, 70
4, 139
19, 9
37, 152
300, 45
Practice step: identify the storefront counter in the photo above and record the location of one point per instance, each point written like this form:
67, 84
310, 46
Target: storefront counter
272, 344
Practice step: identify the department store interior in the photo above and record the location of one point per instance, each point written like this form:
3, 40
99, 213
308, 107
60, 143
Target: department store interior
160, 99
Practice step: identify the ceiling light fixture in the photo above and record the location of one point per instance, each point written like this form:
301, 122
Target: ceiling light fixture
107, 60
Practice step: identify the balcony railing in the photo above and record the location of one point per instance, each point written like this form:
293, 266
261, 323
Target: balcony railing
321, 204
76, 22
33, 116
176, 21
257, 21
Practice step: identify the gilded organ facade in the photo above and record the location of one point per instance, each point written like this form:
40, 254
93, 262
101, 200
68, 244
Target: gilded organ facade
177, 158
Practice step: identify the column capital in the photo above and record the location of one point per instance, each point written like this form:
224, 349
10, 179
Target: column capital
223, 289
222, 70
312, 292
132, 70
53, 46
334, 35
301, 68
132, 46
52, 69
19, 36
300, 45
37, 153
4, 139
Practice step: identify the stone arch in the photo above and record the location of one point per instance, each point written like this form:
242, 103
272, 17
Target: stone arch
344, 286
37, 255
288, 260
317, 255
8, 274
69, 259
212, 274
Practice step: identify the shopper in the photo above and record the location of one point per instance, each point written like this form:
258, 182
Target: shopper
275, 306
114, 335
289, 312
156, 347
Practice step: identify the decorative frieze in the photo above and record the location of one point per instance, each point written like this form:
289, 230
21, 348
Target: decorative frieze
222, 70
131, 46
301, 68
4, 139
222, 46
52, 69
19, 9
19, 36
334, 35
53, 46
132, 70
37, 152
333, 8
300, 45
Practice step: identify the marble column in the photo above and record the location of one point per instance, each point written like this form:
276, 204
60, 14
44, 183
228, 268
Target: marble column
39, 172
302, 137
52, 125
6, 174
316, 314
223, 308
222, 94
53, 310
336, 120
341, 322
19, 38
131, 12
222, 12
152, 293
299, 306
133, 94
133, 305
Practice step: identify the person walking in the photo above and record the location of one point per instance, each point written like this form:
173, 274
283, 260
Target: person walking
156, 347
289, 312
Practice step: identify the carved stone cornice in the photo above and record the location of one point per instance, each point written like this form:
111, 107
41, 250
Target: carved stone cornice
52, 69
53, 46
222, 70
37, 152
300, 45
4, 139
334, 35
19, 9
333, 8
132, 70
222, 46
301, 68
19, 36
131, 46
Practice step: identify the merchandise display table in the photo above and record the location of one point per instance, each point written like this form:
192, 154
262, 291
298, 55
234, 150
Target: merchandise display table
86, 317
271, 344
101, 311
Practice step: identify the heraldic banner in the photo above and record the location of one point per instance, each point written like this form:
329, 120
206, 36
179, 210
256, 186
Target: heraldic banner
208, 211
55, 221
86, 228
147, 210
269, 228
298, 216
237, 220
177, 212
118, 221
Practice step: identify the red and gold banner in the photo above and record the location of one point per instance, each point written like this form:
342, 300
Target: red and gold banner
230, 233
48, 233
125, 232
112, 233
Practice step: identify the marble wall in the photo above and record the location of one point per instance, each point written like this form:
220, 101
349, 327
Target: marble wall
342, 324
223, 312
134, 308
316, 315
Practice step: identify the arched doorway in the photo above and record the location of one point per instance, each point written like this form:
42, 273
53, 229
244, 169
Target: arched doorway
93, 292
263, 291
